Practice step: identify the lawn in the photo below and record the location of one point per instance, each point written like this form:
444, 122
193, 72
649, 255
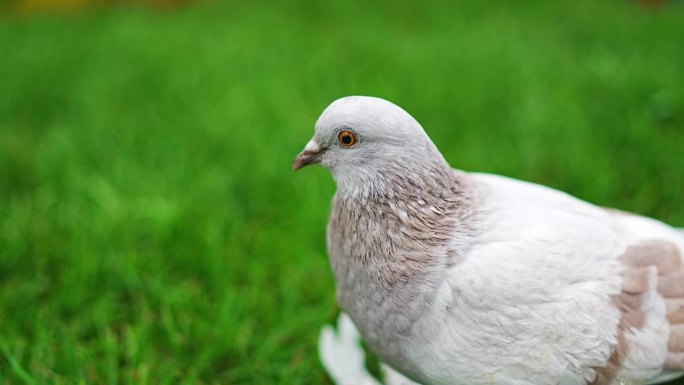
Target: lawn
151, 230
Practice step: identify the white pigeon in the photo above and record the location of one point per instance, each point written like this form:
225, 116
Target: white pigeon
464, 278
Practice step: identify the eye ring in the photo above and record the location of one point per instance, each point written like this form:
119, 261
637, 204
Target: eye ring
347, 138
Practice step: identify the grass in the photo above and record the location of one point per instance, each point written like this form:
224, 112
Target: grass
151, 231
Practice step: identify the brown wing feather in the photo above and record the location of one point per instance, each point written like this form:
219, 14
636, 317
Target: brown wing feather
675, 310
667, 259
671, 286
638, 262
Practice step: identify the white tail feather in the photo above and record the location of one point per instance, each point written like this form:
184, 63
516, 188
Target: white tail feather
342, 355
345, 360
392, 377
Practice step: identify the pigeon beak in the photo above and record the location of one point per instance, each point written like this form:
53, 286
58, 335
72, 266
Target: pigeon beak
310, 155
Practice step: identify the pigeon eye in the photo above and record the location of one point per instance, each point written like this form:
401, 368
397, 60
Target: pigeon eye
347, 138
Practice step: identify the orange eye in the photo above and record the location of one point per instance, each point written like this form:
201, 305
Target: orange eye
346, 138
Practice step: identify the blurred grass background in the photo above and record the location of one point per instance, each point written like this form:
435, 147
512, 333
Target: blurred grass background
151, 231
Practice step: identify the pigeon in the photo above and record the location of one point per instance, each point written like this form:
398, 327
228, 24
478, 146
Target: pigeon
453, 277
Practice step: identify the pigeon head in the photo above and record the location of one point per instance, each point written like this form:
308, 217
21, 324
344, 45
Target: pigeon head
363, 139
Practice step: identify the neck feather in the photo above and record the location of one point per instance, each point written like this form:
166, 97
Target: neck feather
424, 217
390, 243
407, 174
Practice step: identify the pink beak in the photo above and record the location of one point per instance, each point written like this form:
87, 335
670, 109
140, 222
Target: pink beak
310, 155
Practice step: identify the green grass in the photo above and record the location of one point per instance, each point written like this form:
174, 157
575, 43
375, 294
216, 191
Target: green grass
151, 231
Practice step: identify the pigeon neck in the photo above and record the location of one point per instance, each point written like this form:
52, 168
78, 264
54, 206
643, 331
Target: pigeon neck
405, 177
389, 245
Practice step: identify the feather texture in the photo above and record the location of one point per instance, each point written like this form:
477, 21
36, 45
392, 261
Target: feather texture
458, 278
